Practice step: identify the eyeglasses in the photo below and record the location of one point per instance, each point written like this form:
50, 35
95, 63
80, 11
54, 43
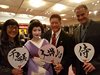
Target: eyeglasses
12, 27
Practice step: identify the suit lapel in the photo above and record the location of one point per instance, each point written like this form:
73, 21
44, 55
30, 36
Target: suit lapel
49, 35
60, 39
88, 33
77, 34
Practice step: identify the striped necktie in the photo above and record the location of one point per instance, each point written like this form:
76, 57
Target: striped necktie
54, 39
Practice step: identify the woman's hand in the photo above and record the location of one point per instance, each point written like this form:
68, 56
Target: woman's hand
17, 71
58, 68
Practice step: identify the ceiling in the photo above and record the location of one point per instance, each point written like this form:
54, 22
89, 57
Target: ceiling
23, 7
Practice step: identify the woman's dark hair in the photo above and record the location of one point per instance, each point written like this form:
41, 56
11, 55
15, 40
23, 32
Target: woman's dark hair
34, 23
4, 35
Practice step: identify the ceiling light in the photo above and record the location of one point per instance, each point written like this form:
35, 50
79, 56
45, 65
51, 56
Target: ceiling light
43, 19
22, 15
7, 14
36, 3
73, 16
90, 12
30, 16
64, 19
77, 1
4, 6
13, 14
27, 9
93, 3
62, 14
98, 1
40, 17
59, 7
95, 12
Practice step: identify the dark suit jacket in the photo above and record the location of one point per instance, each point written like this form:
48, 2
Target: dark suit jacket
68, 44
92, 37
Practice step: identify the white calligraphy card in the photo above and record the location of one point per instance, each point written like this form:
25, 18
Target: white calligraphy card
18, 57
84, 51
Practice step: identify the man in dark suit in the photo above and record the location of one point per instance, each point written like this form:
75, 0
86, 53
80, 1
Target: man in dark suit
88, 32
62, 39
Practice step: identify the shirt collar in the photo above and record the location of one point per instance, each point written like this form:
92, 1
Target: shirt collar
57, 33
87, 24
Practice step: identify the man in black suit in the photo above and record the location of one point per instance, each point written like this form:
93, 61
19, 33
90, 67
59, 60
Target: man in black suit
88, 32
62, 39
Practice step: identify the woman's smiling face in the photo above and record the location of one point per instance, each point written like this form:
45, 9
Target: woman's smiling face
36, 32
12, 31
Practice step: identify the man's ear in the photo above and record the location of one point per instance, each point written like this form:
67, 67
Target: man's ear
88, 12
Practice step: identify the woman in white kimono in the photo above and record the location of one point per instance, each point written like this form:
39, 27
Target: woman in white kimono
35, 65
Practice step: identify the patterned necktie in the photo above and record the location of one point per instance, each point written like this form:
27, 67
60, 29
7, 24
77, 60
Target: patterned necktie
54, 39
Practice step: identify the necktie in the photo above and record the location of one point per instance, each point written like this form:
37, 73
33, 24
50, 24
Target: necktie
54, 39
84, 26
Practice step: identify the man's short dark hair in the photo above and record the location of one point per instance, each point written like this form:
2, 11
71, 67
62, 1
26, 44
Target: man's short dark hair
55, 16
